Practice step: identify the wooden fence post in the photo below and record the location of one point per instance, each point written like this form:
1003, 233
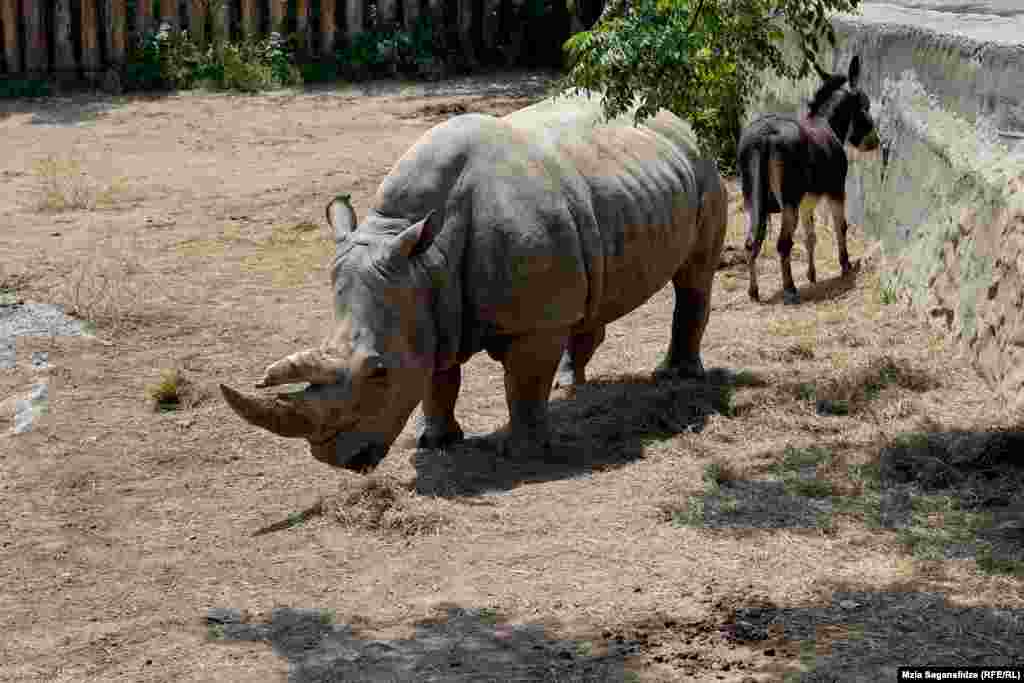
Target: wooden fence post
63, 48
464, 11
115, 14
436, 10
36, 62
12, 46
490, 24
143, 17
387, 12
90, 40
302, 27
197, 21
355, 19
412, 13
169, 13
328, 27
219, 13
277, 9
250, 19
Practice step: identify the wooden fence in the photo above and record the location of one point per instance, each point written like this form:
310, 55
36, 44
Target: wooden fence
83, 38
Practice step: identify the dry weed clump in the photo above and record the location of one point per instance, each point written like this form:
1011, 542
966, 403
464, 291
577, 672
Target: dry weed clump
856, 387
64, 185
105, 287
382, 504
174, 391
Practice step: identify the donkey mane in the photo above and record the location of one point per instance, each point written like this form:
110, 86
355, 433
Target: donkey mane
824, 94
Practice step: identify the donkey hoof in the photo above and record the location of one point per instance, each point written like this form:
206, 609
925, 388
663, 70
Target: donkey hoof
812, 277
754, 296
790, 297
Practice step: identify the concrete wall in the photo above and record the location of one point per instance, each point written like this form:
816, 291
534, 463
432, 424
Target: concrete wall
948, 203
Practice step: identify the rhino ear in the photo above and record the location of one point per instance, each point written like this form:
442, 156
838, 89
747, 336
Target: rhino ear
854, 74
341, 216
415, 239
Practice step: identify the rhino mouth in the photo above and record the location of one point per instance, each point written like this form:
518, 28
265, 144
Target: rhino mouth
338, 451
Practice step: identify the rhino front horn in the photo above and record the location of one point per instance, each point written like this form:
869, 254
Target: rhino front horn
281, 417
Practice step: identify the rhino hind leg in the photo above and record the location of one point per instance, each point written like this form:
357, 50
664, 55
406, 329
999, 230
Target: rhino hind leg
688, 321
438, 426
692, 284
530, 362
578, 352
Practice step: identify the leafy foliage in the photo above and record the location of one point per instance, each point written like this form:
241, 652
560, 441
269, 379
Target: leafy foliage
171, 59
381, 49
17, 87
697, 58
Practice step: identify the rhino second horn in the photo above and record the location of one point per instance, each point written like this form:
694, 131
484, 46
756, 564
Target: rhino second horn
280, 417
311, 365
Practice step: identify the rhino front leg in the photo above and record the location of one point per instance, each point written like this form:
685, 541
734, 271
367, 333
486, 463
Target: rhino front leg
530, 362
438, 427
578, 352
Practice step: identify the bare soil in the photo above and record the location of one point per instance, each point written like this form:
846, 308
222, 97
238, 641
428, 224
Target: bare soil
189, 230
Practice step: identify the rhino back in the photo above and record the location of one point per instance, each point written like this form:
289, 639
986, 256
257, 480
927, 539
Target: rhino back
552, 217
645, 186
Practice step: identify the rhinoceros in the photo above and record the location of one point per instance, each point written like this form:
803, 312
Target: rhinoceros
522, 236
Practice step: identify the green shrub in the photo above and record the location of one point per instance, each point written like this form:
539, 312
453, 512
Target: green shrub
170, 59
17, 87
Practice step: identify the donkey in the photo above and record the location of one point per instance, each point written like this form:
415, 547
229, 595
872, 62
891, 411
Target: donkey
786, 165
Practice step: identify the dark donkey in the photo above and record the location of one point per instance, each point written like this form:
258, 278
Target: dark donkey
786, 165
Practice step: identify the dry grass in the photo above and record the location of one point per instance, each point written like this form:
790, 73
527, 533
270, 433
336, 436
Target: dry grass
855, 387
289, 253
105, 290
64, 185
130, 524
382, 504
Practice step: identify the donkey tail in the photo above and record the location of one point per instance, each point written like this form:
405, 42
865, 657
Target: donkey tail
756, 179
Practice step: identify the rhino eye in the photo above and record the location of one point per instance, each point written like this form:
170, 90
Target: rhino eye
378, 370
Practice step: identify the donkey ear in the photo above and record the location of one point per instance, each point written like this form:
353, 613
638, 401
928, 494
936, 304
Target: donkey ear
854, 73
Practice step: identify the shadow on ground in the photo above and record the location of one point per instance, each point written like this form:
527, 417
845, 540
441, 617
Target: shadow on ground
72, 109
469, 645
950, 494
822, 290
865, 636
607, 424
85, 105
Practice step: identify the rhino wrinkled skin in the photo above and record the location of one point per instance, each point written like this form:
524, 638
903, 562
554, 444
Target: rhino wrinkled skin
522, 236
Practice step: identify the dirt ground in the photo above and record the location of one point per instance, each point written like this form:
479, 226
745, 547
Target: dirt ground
190, 231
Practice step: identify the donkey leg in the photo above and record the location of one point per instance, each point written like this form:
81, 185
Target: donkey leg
785, 247
838, 206
807, 207
578, 352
